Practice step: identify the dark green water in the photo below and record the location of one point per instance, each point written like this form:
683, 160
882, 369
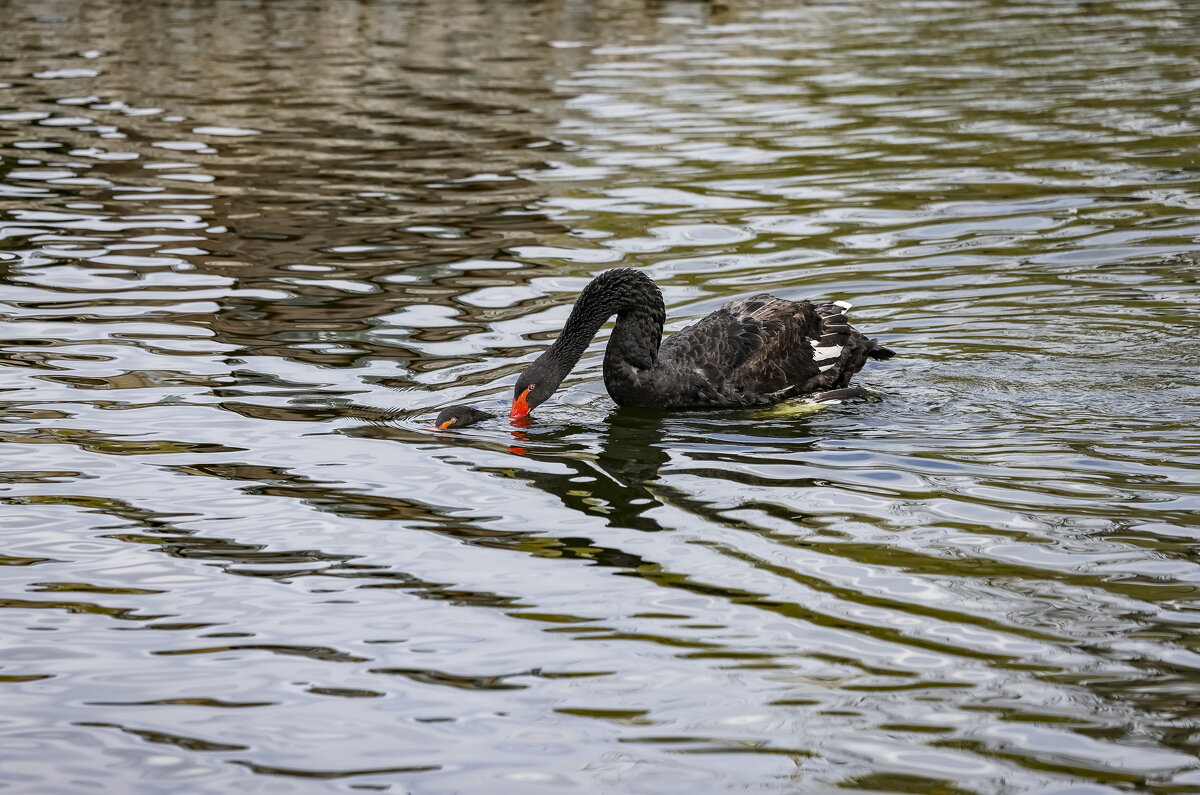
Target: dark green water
233, 235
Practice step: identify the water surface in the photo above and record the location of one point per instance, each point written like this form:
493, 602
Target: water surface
248, 250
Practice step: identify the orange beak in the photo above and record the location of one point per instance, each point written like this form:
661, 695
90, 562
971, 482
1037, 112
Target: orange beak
520, 406
446, 424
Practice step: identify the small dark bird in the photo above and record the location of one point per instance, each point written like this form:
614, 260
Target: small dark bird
751, 352
460, 417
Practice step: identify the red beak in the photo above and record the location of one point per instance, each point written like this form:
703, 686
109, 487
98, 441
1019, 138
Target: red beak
520, 406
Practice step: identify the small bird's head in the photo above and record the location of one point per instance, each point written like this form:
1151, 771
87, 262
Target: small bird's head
459, 417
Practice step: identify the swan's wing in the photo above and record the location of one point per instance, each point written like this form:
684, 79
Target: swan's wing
752, 347
793, 351
760, 350
723, 340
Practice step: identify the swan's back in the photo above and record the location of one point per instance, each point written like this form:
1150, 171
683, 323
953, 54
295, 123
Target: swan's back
759, 350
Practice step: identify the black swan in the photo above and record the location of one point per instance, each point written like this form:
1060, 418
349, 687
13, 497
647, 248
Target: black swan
750, 352
459, 417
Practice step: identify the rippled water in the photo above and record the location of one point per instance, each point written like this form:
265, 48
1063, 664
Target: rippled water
249, 249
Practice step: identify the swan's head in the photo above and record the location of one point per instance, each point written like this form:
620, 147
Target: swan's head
459, 417
535, 386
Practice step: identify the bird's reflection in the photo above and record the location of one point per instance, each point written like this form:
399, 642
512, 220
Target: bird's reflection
616, 473
616, 480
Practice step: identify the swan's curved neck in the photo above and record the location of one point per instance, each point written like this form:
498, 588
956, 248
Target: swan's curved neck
638, 305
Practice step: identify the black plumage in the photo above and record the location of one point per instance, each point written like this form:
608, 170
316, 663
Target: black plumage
460, 417
750, 352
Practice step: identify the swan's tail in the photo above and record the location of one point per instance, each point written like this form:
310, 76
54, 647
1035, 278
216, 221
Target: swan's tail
841, 350
834, 318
